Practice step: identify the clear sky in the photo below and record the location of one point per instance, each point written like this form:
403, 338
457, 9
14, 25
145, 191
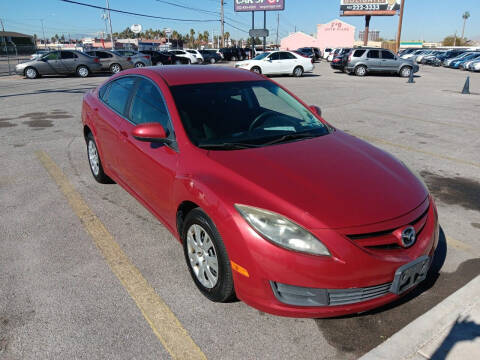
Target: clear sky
430, 20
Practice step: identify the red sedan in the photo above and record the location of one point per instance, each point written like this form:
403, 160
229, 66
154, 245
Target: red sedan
271, 203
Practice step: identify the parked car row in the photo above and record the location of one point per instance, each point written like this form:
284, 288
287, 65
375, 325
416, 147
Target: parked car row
463, 59
311, 52
363, 61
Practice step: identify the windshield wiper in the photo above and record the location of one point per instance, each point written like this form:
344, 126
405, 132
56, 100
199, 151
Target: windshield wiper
293, 136
226, 146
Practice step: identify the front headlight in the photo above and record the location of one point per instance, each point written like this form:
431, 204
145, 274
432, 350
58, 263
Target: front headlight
281, 231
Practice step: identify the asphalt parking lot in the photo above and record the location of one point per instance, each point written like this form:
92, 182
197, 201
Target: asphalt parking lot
61, 297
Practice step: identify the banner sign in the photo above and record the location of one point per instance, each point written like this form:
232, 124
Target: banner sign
369, 7
259, 5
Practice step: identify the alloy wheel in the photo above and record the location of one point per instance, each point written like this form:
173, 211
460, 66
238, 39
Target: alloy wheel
93, 158
31, 73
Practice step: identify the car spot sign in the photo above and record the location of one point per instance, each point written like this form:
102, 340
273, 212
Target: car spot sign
369, 7
259, 5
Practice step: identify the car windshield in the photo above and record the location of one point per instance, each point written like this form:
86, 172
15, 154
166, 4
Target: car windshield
232, 115
261, 56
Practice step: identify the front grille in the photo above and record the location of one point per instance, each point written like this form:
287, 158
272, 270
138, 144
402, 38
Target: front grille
385, 239
303, 296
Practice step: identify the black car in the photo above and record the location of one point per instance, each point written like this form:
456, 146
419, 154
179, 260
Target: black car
340, 60
311, 52
210, 56
233, 54
158, 57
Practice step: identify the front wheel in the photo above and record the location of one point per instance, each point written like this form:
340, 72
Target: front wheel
206, 257
405, 71
83, 71
31, 73
115, 68
256, 70
298, 71
234, 58
95, 163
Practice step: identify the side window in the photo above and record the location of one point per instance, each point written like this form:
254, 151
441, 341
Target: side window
148, 106
104, 55
91, 53
373, 54
102, 93
358, 53
52, 56
68, 55
287, 56
119, 93
274, 56
387, 55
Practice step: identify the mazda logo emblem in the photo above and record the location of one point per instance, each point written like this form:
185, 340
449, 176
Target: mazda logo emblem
408, 236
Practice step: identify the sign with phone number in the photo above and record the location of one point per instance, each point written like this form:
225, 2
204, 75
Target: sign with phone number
369, 5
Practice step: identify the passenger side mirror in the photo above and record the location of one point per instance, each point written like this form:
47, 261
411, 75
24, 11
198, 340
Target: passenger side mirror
316, 110
150, 132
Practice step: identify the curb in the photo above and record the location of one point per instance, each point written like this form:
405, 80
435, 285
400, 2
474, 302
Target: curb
420, 338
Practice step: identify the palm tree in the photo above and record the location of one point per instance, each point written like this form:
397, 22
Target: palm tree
227, 36
192, 37
465, 17
206, 37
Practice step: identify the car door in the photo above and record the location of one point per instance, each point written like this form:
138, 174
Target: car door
272, 64
389, 61
288, 62
373, 60
105, 59
51, 64
148, 168
69, 60
115, 95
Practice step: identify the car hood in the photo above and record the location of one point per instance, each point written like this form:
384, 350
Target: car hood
338, 179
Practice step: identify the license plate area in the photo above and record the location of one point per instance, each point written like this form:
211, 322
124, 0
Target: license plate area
411, 274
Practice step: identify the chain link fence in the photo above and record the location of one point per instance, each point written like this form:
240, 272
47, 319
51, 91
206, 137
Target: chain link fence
12, 54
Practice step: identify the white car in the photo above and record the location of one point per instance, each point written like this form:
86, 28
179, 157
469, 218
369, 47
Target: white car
330, 56
182, 53
476, 66
197, 54
327, 52
278, 62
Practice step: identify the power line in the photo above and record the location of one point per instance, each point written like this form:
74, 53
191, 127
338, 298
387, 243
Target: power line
187, 7
135, 14
236, 27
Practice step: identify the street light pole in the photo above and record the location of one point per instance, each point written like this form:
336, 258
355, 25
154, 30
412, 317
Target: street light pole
44, 39
400, 22
110, 21
222, 23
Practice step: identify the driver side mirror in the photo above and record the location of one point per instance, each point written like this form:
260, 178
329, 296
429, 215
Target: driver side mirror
150, 132
316, 110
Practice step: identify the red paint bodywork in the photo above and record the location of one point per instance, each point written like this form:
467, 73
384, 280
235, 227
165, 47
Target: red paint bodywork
332, 185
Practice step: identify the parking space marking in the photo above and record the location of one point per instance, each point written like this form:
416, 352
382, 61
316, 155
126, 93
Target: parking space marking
161, 319
412, 149
460, 245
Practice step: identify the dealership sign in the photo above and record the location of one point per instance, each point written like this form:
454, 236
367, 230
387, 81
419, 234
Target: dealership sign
369, 7
259, 5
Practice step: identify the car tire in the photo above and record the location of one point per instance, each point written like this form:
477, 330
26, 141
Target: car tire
234, 58
212, 61
405, 71
256, 70
139, 65
178, 62
298, 71
207, 257
94, 161
83, 71
31, 73
115, 68
361, 70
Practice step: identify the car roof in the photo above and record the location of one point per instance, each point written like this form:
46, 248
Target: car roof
184, 75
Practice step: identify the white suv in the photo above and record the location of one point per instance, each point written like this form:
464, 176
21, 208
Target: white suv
197, 54
182, 53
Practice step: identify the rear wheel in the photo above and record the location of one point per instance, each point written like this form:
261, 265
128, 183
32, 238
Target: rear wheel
361, 70
206, 257
31, 73
115, 68
298, 71
212, 61
234, 58
83, 71
139, 64
178, 62
256, 70
95, 163
405, 71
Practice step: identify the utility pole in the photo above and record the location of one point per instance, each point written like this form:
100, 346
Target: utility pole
278, 24
6, 48
222, 23
400, 22
44, 39
110, 21
367, 27
455, 39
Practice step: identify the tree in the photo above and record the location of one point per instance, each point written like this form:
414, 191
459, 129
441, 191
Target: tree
465, 17
227, 37
206, 36
454, 40
192, 37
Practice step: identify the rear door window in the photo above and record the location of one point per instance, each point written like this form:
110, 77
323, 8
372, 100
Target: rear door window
373, 54
104, 55
119, 94
68, 55
287, 56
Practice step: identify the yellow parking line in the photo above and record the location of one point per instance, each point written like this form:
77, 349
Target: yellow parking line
459, 245
161, 319
409, 148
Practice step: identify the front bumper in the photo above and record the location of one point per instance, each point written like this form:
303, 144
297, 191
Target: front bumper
352, 272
